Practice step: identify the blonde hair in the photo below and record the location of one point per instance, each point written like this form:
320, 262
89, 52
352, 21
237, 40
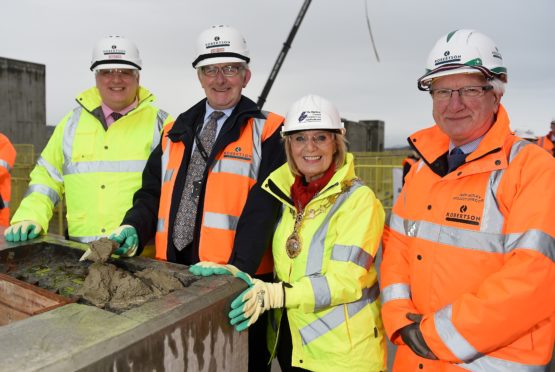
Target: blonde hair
338, 157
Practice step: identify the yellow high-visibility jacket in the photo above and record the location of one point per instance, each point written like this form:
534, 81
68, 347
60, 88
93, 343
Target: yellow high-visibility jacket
332, 307
98, 170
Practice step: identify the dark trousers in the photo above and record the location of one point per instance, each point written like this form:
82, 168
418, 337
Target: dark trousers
285, 346
259, 356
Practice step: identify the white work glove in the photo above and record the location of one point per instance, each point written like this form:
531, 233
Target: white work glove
127, 238
22, 231
259, 297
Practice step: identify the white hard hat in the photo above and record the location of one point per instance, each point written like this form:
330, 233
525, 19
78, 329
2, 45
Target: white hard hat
463, 51
310, 113
526, 133
115, 52
221, 44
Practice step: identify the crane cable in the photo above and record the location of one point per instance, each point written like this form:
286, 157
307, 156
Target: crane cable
370, 31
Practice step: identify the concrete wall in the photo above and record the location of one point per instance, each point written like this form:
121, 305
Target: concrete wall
23, 102
365, 135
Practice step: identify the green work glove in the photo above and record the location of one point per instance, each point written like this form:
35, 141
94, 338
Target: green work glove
206, 268
22, 231
128, 239
256, 299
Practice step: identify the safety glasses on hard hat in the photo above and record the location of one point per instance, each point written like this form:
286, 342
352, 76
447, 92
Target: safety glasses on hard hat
125, 74
227, 71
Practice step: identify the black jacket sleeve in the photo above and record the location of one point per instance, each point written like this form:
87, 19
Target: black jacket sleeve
143, 215
257, 222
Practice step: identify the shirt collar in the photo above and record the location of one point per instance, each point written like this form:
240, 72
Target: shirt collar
468, 147
108, 111
209, 110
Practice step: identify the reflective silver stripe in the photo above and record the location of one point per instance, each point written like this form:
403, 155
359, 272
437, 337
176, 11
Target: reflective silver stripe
116, 166
86, 239
321, 290
336, 316
535, 240
352, 253
45, 190
52, 171
168, 175
396, 291
476, 240
6, 204
69, 134
160, 225
492, 218
491, 364
160, 119
257, 128
5, 164
237, 167
451, 337
316, 250
165, 161
220, 221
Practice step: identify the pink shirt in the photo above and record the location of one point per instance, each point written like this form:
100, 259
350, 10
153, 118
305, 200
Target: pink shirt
108, 111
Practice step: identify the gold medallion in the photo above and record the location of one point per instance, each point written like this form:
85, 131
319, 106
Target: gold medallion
293, 245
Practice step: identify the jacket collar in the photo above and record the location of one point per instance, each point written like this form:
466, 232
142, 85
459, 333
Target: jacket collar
90, 99
279, 181
432, 144
186, 123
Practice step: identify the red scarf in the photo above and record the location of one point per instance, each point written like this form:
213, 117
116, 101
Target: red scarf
302, 192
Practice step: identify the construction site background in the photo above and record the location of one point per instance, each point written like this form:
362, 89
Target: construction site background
374, 168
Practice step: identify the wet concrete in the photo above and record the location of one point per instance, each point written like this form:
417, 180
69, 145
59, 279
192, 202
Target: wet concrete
101, 250
186, 329
107, 286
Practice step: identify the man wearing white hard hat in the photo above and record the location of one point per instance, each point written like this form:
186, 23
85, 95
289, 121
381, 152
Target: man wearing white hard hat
527, 134
469, 250
201, 196
97, 152
547, 142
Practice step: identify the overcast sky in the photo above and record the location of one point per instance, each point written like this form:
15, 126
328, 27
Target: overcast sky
330, 56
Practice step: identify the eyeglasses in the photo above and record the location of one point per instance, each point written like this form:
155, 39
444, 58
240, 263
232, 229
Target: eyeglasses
442, 94
227, 71
319, 139
125, 74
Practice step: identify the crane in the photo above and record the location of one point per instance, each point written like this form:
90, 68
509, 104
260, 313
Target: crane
282, 54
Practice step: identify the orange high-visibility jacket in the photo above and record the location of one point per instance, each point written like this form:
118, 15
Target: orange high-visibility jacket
7, 159
473, 251
231, 176
546, 143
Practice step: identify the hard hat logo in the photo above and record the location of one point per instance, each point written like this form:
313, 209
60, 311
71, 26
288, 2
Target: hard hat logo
221, 44
311, 113
448, 58
115, 52
310, 117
